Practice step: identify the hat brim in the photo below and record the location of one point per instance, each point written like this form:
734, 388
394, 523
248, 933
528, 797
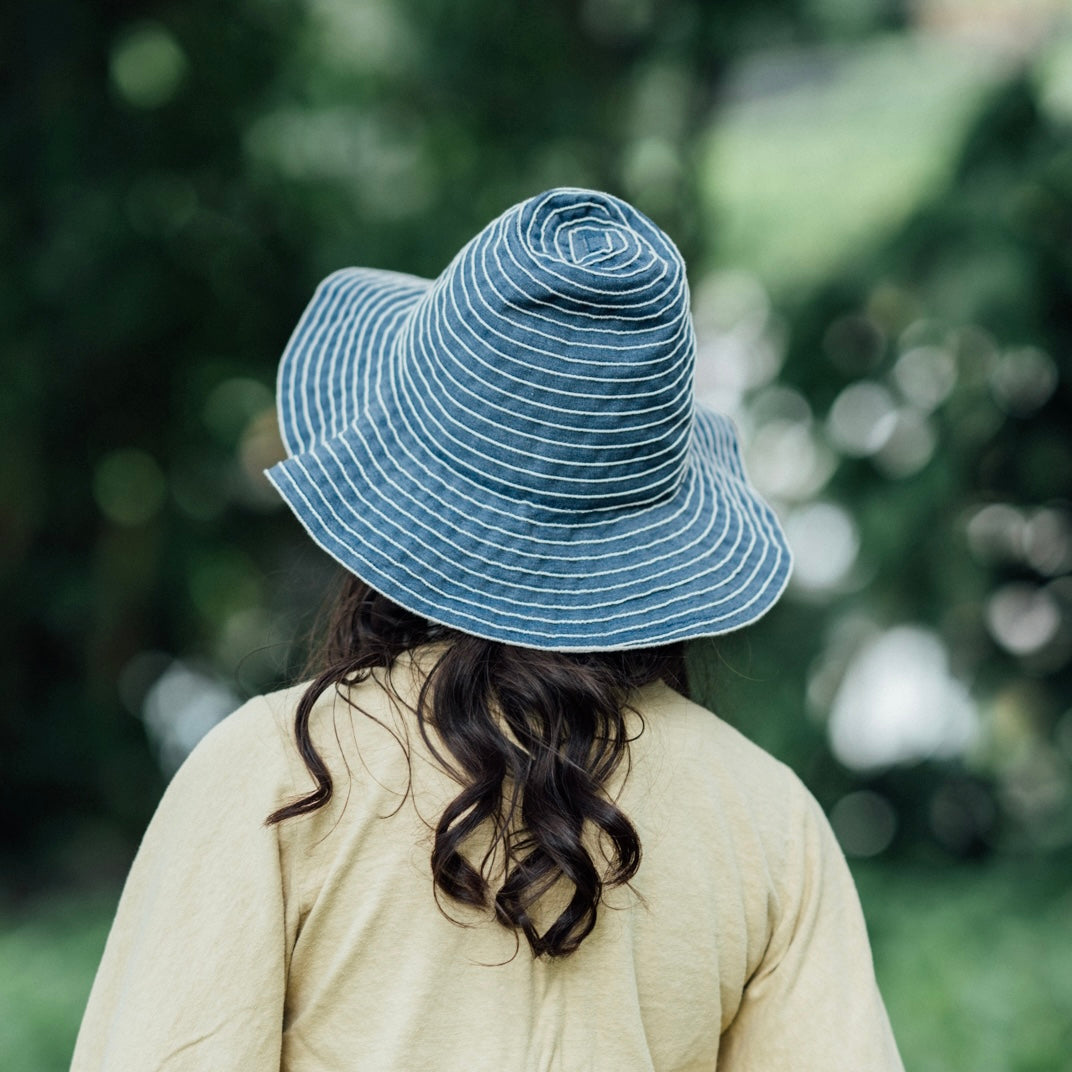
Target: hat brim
380, 494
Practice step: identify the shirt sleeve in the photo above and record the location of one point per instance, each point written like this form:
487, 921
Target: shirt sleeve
813, 1004
194, 972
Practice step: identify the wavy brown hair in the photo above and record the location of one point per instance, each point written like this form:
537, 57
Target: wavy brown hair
531, 736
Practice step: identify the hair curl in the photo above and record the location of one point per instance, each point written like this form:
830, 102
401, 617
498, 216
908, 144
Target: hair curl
532, 737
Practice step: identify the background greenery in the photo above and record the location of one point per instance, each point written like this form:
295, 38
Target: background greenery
875, 200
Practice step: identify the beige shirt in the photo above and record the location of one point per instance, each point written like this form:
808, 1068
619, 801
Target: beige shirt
317, 945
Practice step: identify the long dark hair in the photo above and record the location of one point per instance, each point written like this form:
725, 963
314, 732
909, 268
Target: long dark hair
531, 736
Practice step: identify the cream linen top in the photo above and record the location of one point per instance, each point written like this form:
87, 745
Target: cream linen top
317, 945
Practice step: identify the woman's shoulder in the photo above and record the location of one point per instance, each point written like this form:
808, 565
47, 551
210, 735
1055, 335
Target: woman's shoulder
711, 760
243, 756
261, 730
254, 731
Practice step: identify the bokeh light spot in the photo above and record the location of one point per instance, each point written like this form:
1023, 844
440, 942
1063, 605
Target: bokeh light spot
825, 544
1036, 788
925, 375
1022, 618
786, 462
1023, 380
910, 445
260, 448
652, 171
780, 403
976, 353
996, 533
137, 678
379, 157
725, 299
739, 345
899, 703
864, 823
616, 21
232, 404
363, 36
147, 66
129, 486
1048, 541
862, 418
180, 708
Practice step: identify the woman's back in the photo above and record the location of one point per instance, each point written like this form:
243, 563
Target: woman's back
324, 948
519, 851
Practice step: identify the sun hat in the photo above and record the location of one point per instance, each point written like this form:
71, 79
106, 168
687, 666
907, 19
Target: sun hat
514, 449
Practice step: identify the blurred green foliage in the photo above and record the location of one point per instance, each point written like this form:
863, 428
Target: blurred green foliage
48, 957
175, 183
937, 363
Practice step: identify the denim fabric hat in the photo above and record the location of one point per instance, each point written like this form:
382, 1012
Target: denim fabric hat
513, 449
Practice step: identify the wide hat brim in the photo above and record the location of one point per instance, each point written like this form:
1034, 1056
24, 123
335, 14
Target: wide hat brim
389, 489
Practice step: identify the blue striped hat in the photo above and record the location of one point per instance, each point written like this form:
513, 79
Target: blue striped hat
513, 449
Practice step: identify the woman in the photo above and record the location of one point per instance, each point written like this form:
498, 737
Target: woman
492, 833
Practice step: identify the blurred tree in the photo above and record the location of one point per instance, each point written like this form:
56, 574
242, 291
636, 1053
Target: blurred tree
140, 271
176, 178
933, 376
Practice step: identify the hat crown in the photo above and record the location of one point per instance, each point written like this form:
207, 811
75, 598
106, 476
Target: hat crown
554, 356
576, 230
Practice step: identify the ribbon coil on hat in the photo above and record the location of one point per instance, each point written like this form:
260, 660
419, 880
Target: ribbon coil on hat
513, 449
